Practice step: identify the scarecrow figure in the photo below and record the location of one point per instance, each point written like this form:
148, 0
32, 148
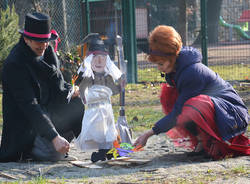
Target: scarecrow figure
100, 79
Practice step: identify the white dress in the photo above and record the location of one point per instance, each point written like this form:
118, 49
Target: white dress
98, 125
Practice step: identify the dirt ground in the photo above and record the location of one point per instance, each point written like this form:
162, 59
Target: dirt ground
167, 164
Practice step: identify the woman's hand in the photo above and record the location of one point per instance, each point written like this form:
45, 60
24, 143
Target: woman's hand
142, 140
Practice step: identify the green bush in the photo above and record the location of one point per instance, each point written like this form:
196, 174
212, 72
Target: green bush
70, 62
9, 35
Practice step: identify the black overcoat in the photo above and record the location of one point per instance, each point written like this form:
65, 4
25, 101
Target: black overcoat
28, 88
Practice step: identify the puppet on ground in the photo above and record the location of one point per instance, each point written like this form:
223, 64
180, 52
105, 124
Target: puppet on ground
99, 80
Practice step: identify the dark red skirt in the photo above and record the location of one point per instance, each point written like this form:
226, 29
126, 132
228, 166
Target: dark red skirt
200, 110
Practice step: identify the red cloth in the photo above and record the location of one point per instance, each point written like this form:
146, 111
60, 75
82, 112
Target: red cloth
200, 110
57, 40
168, 97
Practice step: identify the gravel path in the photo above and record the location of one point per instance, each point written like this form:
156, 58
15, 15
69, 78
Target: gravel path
167, 165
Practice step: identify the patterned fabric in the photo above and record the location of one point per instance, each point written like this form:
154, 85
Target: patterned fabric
200, 110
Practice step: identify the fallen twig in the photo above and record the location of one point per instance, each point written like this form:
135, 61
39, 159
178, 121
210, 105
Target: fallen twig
4, 175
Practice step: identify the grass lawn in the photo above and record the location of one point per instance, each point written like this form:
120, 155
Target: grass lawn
143, 107
227, 72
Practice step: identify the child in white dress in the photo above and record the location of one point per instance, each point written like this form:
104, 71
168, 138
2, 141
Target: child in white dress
100, 79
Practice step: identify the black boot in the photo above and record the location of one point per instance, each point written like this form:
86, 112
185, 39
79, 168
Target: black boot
100, 155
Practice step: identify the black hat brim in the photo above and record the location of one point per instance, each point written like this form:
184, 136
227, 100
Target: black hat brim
52, 38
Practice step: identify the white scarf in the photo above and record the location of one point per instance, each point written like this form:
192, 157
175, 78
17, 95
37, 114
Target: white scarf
110, 68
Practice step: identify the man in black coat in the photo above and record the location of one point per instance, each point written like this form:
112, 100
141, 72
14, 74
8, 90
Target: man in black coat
38, 122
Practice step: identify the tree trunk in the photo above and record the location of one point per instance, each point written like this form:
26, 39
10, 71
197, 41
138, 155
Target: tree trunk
213, 14
182, 19
22, 8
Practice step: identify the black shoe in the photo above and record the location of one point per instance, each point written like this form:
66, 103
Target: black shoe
96, 156
105, 151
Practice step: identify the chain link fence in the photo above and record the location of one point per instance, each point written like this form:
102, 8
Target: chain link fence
228, 45
230, 51
167, 13
228, 38
66, 19
65, 14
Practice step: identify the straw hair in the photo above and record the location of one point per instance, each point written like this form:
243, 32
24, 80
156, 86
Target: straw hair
164, 39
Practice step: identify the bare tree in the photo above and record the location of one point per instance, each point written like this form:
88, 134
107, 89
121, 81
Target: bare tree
37, 5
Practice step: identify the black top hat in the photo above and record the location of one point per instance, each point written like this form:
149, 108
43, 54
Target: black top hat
37, 27
95, 44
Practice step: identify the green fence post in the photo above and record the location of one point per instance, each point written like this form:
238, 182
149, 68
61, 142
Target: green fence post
129, 39
203, 4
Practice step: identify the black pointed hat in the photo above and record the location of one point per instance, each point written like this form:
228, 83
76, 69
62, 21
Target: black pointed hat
95, 44
38, 27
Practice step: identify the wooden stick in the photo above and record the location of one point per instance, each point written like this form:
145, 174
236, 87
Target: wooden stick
7, 176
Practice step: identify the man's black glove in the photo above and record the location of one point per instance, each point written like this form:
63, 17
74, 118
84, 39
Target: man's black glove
52, 60
43, 69
50, 57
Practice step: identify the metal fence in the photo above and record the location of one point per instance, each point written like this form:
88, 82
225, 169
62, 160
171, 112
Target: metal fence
228, 47
168, 13
232, 48
65, 14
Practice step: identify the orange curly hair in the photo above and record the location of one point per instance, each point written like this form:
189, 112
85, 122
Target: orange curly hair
166, 41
